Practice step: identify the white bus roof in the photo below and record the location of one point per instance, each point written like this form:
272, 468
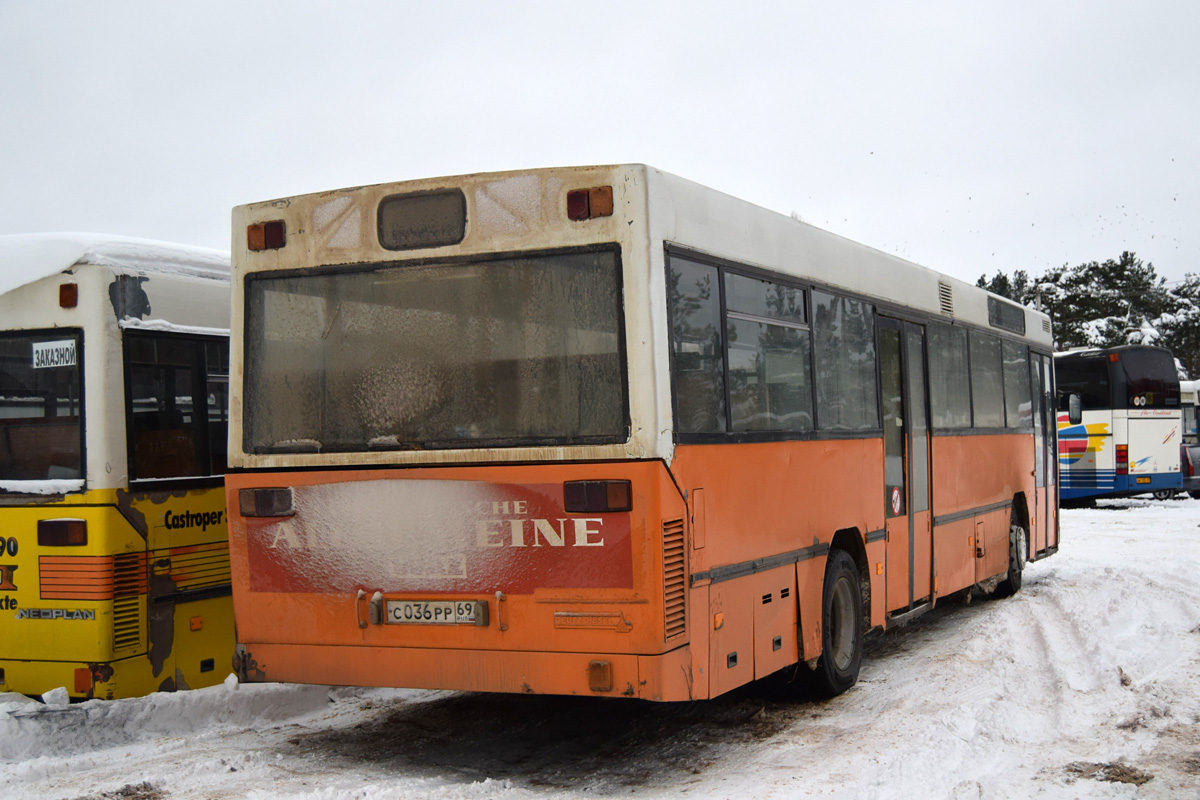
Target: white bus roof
29, 257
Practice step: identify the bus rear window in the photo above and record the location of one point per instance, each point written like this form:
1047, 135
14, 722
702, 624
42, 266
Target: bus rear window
41, 409
1150, 378
503, 353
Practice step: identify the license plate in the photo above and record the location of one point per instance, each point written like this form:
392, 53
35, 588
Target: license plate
1143, 480
434, 612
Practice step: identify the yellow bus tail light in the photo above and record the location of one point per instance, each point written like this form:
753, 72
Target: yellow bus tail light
266, 502
62, 532
589, 497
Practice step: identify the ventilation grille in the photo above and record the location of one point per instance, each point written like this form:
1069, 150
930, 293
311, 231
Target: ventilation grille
129, 589
127, 624
200, 566
674, 580
129, 574
1046, 325
946, 297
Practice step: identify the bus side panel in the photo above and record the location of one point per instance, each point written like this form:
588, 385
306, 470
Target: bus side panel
784, 499
191, 611
1086, 455
954, 554
731, 650
700, 630
775, 632
974, 478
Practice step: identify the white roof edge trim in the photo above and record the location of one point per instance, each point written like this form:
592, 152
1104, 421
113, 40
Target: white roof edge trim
29, 257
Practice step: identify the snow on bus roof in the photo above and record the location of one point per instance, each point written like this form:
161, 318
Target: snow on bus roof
28, 257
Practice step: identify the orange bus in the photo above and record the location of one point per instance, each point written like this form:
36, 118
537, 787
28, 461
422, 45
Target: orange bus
605, 431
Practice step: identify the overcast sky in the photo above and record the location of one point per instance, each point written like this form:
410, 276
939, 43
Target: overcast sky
968, 136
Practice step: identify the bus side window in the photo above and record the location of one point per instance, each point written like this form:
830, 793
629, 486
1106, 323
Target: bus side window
949, 378
216, 367
172, 402
699, 351
987, 381
844, 350
1018, 402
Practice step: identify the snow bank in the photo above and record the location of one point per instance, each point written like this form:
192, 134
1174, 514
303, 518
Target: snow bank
1088, 677
37, 730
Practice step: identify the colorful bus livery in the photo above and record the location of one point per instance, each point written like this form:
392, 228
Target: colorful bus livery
114, 557
604, 431
1127, 440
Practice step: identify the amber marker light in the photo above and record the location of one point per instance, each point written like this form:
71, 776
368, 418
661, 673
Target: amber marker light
68, 295
589, 203
266, 235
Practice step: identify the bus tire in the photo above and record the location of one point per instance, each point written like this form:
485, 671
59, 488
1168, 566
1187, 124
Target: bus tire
841, 627
1164, 494
1018, 554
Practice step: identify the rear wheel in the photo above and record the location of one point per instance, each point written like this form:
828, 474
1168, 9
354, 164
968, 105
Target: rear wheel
1018, 554
1164, 494
841, 626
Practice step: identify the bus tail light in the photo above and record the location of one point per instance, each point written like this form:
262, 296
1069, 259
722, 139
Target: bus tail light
83, 680
589, 203
266, 502
590, 497
1122, 459
266, 235
62, 532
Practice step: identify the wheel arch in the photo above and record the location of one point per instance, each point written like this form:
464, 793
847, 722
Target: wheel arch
851, 541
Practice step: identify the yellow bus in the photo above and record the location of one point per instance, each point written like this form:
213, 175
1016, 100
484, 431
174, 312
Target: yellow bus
114, 378
605, 431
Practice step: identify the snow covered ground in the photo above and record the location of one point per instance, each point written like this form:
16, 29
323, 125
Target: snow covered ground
1085, 685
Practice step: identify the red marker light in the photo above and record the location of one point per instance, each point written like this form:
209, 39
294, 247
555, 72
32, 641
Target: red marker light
266, 235
589, 203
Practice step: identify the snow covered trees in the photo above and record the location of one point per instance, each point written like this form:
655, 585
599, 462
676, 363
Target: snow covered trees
1121, 301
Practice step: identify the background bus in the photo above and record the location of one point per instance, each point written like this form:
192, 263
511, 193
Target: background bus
113, 414
1189, 454
1128, 439
606, 431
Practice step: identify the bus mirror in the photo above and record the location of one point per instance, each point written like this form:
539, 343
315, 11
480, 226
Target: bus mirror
1074, 409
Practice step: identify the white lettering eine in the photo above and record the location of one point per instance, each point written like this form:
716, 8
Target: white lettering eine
493, 533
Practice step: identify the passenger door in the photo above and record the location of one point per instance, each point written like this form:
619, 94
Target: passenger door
906, 463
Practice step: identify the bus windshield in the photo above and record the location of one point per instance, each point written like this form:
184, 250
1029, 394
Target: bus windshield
516, 351
40, 406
